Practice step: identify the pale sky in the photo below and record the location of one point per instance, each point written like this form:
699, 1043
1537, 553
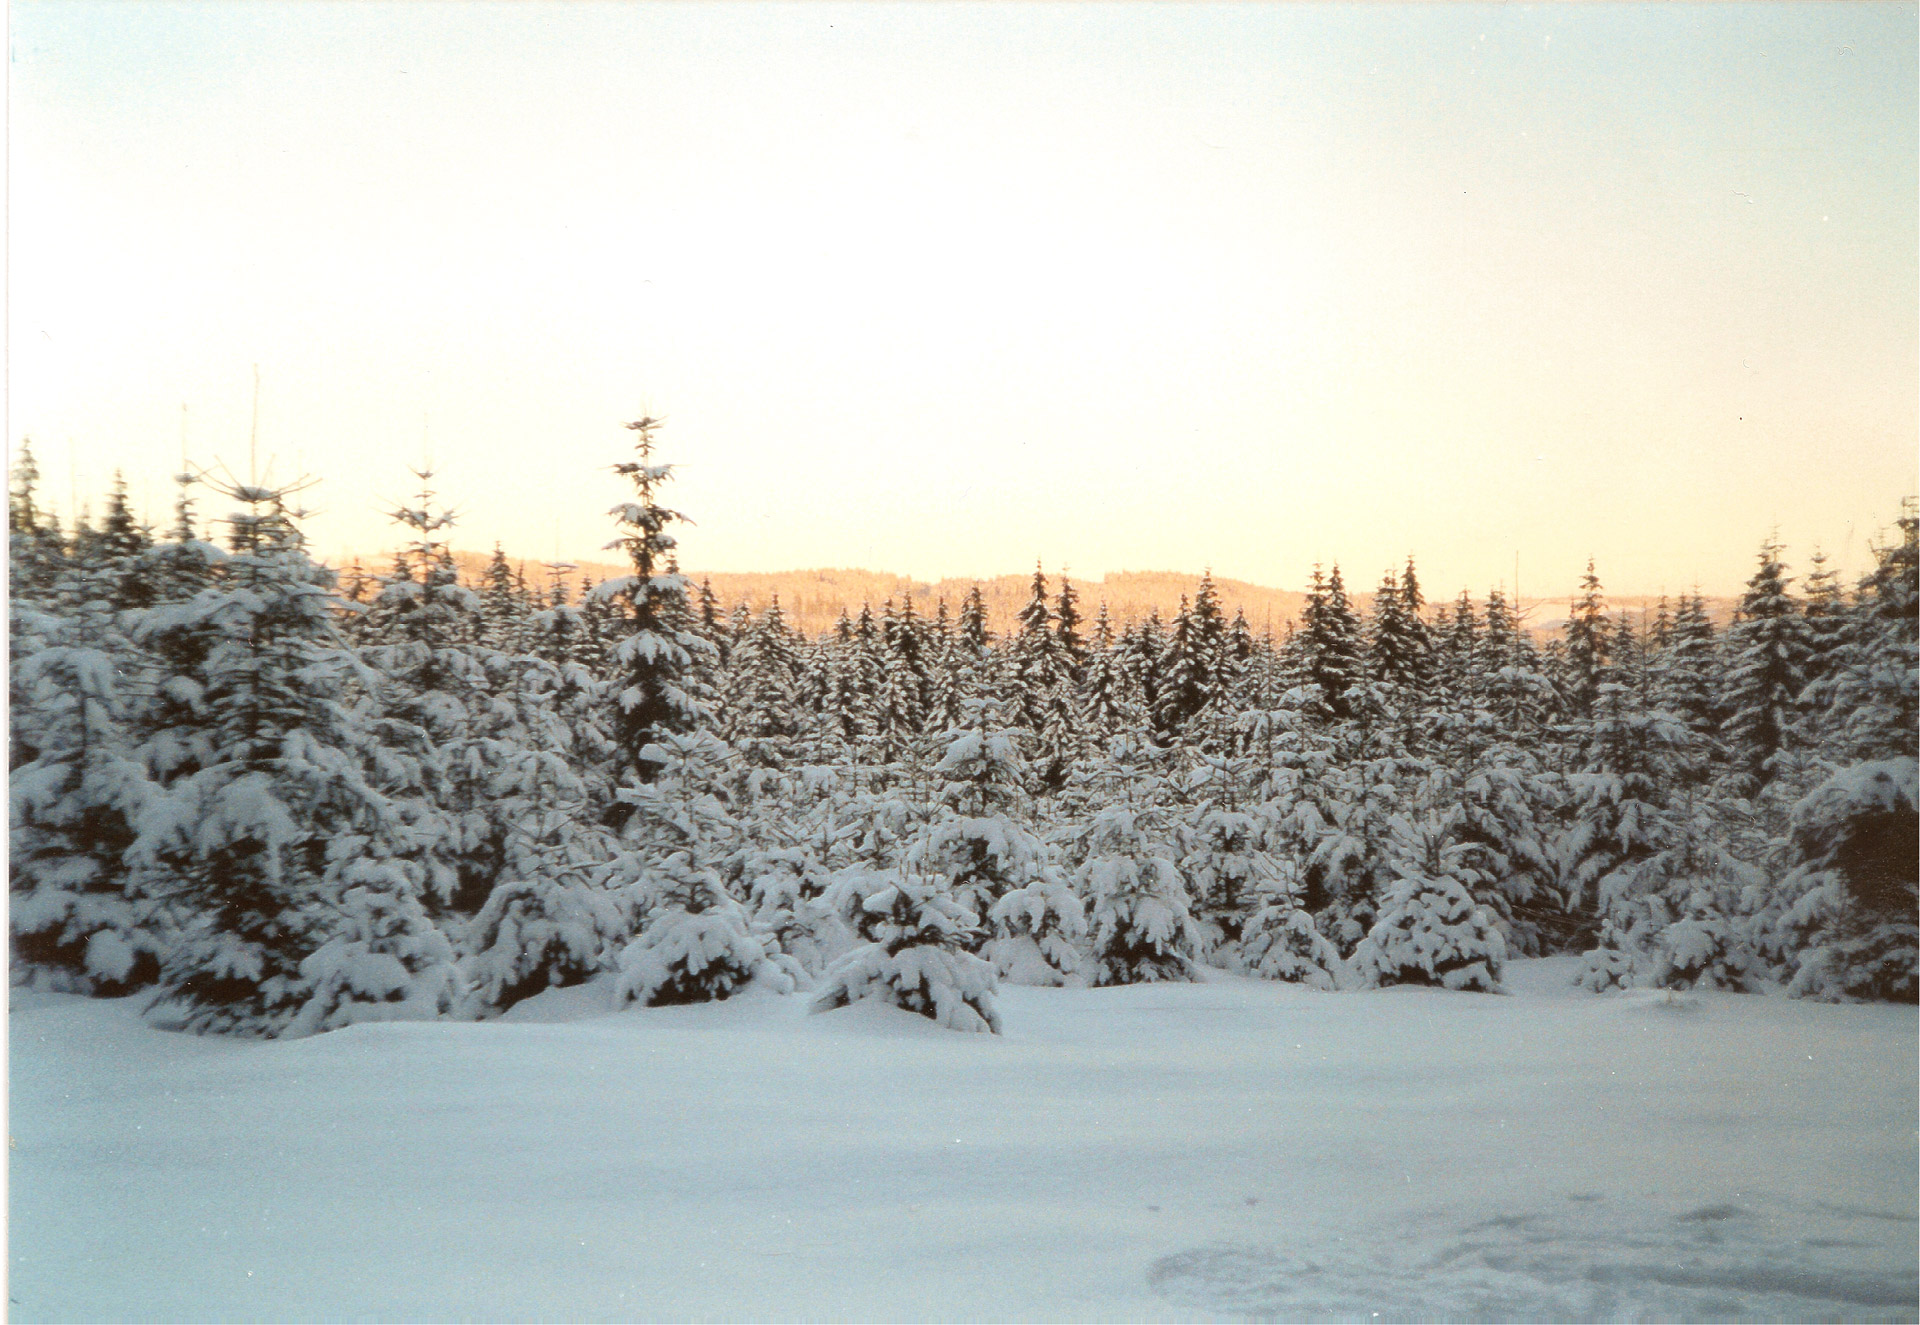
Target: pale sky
943, 289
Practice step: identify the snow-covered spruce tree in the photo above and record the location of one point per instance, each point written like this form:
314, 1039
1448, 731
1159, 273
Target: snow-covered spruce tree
1280, 941
832, 727
994, 865
1519, 691
1627, 648
1430, 930
976, 670
711, 622
1857, 840
1141, 646
1330, 641
1584, 655
1686, 672
37, 571
182, 565
656, 648
1237, 650
575, 698
549, 918
1110, 700
972, 625
1609, 964
698, 946
1491, 779
80, 921
786, 889
1339, 831
1191, 668
549, 922
760, 712
916, 951
948, 678
864, 674
279, 858
1038, 932
1495, 801
1034, 656
1612, 849
1041, 678
696, 941
1061, 741
1856, 837
901, 706
977, 841
1399, 647
1460, 657
1657, 859
1265, 677
1828, 634
421, 641
1066, 629
1140, 927
1702, 950
36, 553
117, 553
503, 607
1767, 652
1224, 857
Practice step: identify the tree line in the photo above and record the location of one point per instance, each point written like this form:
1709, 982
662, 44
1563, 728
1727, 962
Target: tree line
277, 801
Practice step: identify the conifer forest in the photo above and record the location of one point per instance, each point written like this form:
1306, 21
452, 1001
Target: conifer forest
273, 801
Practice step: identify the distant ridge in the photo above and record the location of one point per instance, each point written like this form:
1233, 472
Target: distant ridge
814, 599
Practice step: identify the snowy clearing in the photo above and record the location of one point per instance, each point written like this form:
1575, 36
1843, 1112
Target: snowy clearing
1231, 1149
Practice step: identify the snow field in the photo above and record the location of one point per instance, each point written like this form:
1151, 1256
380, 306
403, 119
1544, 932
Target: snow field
1227, 1150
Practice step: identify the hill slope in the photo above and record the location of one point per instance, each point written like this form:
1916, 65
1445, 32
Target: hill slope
813, 599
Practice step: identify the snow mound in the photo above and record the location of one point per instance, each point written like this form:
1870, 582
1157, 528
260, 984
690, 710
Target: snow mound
565, 1003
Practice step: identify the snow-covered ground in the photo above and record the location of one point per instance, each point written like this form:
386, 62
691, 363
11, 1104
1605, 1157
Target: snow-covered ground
1226, 1150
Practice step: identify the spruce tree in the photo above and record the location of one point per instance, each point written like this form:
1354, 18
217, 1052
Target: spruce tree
1430, 930
978, 841
1192, 666
80, 920
698, 945
655, 652
761, 715
1854, 836
1066, 628
914, 952
503, 612
907, 681
1141, 648
281, 859
1330, 642
973, 621
949, 676
1399, 660
1140, 926
1044, 692
1227, 869
1825, 610
1109, 695
1584, 660
122, 574
1036, 658
36, 553
422, 642
1686, 674
1767, 651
